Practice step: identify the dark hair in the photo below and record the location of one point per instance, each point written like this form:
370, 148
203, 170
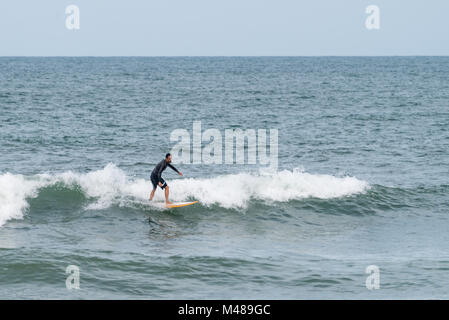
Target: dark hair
167, 155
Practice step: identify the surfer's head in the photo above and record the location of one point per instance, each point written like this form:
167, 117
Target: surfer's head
168, 157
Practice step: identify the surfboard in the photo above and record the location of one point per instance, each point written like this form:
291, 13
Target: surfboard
180, 204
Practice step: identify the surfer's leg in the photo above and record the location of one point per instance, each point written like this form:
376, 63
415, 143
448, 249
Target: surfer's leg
166, 195
152, 194
154, 183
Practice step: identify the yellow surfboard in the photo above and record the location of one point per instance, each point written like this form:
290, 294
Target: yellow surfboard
180, 204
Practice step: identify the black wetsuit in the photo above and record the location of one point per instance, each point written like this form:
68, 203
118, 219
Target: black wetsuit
157, 172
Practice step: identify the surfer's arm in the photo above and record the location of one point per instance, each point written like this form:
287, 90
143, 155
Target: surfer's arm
175, 169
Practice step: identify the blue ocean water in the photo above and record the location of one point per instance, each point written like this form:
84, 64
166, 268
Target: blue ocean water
362, 178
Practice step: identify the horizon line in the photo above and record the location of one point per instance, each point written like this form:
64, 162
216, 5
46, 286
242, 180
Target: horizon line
215, 56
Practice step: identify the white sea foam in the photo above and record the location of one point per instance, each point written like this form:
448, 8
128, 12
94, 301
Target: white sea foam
14, 189
111, 186
236, 190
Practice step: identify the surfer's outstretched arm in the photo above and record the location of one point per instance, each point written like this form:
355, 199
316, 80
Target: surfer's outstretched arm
176, 170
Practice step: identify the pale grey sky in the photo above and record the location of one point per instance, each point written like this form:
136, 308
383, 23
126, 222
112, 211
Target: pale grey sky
223, 28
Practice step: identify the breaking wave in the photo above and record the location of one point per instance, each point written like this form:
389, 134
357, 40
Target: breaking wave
111, 186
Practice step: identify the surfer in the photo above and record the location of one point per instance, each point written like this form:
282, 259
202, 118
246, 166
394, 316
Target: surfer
157, 180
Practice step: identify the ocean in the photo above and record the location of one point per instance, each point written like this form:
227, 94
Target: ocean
361, 181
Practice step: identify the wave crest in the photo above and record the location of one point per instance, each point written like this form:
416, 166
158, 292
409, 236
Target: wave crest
111, 186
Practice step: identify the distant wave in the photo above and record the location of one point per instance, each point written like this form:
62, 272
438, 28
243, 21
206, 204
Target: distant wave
111, 186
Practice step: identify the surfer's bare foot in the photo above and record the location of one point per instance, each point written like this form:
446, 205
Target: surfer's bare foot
168, 202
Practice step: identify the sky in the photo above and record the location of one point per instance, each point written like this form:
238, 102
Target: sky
223, 28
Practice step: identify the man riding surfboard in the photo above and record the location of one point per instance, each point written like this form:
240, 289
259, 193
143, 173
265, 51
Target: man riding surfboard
157, 180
